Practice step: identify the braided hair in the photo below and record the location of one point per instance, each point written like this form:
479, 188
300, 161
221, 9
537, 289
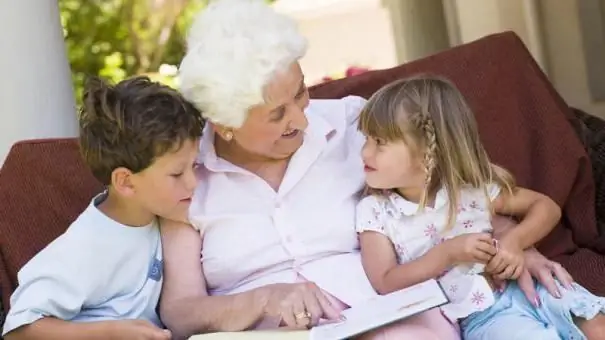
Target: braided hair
432, 114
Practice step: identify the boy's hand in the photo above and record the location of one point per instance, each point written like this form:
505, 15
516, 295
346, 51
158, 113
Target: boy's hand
470, 248
508, 263
137, 330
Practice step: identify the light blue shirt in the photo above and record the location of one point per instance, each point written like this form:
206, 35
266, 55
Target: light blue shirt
97, 270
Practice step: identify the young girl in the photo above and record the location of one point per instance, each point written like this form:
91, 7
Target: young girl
431, 194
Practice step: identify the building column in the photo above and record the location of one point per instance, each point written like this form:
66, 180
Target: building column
419, 26
36, 94
477, 18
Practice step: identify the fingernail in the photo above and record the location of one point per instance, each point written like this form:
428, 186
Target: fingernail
343, 318
537, 302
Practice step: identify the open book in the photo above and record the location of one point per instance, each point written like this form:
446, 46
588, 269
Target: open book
383, 310
374, 313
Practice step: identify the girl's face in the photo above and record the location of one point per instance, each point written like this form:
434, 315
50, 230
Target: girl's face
393, 164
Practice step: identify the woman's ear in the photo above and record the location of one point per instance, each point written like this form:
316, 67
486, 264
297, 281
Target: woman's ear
224, 132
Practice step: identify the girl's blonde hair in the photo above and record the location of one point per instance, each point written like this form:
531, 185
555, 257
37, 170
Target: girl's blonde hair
431, 113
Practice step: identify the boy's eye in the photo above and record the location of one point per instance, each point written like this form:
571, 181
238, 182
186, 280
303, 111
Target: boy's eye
177, 175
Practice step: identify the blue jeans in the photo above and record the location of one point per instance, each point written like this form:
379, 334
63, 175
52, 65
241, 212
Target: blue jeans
513, 317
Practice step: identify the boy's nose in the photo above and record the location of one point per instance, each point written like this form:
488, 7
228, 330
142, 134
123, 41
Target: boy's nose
191, 181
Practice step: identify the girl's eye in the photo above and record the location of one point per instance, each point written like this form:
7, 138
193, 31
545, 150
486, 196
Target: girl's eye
380, 141
177, 175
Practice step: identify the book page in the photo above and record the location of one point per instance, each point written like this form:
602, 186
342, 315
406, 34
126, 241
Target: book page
255, 335
383, 310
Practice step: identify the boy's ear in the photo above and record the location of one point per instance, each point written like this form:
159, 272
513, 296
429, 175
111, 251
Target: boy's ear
121, 181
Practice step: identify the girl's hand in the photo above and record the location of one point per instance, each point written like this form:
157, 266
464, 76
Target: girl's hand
508, 263
470, 248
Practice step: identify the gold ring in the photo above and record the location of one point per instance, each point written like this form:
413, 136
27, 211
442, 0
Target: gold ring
302, 315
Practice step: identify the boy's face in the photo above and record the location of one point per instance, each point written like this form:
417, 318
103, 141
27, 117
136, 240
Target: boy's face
165, 188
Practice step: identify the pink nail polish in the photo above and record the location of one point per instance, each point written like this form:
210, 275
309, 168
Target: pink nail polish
537, 302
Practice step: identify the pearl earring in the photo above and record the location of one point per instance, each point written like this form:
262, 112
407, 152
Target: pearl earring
228, 135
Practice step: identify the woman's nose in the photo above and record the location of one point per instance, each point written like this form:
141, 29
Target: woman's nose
299, 119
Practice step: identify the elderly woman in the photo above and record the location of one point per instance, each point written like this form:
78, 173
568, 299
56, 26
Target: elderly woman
273, 215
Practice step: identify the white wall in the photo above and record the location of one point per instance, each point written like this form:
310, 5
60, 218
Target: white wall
566, 55
551, 31
36, 95
342, 33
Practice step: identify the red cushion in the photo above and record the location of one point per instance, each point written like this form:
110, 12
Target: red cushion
44, 186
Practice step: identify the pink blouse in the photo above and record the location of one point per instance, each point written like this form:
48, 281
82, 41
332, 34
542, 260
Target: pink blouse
254, 236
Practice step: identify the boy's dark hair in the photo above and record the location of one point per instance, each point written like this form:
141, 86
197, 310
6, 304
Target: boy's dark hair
132, 123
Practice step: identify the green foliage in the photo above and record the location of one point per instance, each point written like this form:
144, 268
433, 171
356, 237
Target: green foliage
120, 38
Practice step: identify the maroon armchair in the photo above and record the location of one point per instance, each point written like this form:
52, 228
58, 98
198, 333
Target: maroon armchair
524, 123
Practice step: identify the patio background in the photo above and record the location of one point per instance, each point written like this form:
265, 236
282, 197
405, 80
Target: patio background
47, 49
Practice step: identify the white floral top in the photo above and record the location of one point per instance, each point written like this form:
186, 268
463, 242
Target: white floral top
414, 232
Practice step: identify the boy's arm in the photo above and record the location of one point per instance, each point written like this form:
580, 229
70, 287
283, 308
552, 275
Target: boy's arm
539, 215
54, 283
55, 329
185, 307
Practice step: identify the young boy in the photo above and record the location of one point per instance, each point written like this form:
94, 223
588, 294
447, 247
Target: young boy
102, 278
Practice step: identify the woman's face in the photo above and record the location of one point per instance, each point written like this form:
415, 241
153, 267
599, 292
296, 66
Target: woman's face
274, 130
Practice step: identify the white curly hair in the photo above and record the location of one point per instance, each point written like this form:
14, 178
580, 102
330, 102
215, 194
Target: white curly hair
234, 47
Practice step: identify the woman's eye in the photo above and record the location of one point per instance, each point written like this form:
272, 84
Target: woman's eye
279, 114
301, 93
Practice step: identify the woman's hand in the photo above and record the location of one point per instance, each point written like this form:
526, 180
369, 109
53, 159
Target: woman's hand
537, 267
545, 271
298, 305
470, 248
508, 263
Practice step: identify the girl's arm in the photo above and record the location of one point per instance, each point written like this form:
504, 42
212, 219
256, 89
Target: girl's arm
386, 275
538, 213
